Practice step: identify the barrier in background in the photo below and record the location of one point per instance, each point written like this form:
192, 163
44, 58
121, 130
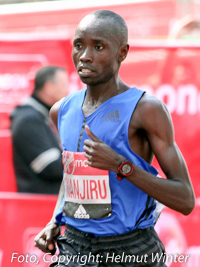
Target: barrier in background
8, 181
145, 19
22, 218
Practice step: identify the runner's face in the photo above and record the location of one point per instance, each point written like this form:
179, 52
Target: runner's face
95, 51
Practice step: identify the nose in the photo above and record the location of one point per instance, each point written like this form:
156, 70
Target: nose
87, 55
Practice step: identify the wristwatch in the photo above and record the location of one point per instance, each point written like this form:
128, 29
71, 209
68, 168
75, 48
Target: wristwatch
125, 169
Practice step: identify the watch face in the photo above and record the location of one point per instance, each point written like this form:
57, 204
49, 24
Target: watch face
126, 168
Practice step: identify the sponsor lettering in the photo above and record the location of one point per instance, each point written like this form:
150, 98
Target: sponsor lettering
14, 81
70, 164
183, 100
81, 213
111, 119
81, 163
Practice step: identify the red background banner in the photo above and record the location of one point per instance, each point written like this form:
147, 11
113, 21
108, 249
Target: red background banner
168, 71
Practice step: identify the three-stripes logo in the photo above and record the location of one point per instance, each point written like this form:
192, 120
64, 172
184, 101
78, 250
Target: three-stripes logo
112, 116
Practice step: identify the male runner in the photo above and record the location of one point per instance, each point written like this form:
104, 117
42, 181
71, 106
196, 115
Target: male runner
110, 133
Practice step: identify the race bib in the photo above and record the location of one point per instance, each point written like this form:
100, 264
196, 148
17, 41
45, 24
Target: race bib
87, 190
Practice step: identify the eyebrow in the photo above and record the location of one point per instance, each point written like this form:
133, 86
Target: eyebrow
93, 40
77, 39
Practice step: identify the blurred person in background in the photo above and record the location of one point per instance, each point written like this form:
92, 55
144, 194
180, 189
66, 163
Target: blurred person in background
186, 28
36, 147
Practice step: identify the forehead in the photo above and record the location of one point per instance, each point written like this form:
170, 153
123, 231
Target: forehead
98, 28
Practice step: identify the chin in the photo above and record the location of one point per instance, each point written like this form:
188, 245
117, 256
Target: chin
89, 82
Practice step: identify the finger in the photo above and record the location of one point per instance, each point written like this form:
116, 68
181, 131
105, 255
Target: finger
40, 235
49, 240
91, 135
88, 144
89, 157
41, 244
40, 240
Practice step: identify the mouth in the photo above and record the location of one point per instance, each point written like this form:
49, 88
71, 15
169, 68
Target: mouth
84, 72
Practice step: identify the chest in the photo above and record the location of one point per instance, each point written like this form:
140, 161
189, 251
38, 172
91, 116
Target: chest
89, 109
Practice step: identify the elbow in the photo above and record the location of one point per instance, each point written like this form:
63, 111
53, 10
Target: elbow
189, 209
188, 200
188, 205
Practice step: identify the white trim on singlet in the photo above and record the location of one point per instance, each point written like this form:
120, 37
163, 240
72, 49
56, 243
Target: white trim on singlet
44, 159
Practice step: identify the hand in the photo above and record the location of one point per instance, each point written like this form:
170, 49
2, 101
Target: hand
45, 240
99, 154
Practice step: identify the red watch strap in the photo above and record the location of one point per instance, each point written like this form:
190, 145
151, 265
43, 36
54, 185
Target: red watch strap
120, 176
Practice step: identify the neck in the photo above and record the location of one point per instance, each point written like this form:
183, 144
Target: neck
40, 100
98, 94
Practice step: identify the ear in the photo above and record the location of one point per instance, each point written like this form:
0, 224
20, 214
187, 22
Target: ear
123, 52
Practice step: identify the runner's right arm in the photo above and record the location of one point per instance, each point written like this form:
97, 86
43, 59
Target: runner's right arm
45, 240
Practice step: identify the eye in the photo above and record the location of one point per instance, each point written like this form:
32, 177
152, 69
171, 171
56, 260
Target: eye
99, 47
78, 46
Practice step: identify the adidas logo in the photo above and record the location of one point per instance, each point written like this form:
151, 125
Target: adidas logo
112, 116
81, 213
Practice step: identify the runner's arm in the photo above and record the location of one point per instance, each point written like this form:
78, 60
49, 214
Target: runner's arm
176, 191
45, 240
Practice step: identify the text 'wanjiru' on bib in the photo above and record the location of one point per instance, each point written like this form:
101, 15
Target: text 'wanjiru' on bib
87, 190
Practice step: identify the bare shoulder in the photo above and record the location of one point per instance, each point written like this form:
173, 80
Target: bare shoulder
152, 112
54, 111
150, 103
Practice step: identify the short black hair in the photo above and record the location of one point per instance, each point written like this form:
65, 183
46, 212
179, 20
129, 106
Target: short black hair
44, 75
120, 23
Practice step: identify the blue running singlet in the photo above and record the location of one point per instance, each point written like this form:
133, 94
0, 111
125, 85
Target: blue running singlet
131, 207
